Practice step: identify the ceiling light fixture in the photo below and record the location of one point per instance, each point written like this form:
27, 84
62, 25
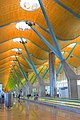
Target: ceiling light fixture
22, 26
29, 5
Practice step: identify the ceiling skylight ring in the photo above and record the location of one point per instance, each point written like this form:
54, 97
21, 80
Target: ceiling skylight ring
18, 40
22, 26
29, 5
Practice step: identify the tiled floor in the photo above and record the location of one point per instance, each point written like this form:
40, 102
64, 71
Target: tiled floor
31, 111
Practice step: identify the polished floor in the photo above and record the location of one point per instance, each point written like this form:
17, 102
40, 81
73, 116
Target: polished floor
23, 110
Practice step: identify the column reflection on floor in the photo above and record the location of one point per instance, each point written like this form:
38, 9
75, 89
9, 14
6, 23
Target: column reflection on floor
23, 110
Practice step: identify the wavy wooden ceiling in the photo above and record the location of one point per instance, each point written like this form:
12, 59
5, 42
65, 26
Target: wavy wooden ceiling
65, 24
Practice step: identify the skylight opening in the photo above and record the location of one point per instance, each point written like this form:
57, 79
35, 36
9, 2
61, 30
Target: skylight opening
19, 39
16, 49
12, 61
29, 5
22, 26
71, 45
13, 56
62, 52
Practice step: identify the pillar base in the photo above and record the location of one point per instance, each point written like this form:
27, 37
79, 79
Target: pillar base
73, 90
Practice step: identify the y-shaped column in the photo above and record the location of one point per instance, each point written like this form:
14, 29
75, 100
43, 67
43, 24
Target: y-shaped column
68, 71
22, 72
31, 64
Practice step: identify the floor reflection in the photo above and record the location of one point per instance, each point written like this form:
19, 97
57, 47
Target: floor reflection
23, 110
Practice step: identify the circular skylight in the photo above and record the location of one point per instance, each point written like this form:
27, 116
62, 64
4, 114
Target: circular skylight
19, 40
29, 5
16, 49
22, 26
13, 57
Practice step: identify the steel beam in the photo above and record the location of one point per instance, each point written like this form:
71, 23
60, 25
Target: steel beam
38, 73
26, 60
51, 31
45, 41
32, 77
41, 82
16, 74
68, 9
23, 73
31, 64
60, 66
45, 72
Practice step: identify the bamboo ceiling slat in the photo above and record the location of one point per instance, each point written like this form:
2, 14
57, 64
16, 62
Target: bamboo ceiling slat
66, 26
72, 4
